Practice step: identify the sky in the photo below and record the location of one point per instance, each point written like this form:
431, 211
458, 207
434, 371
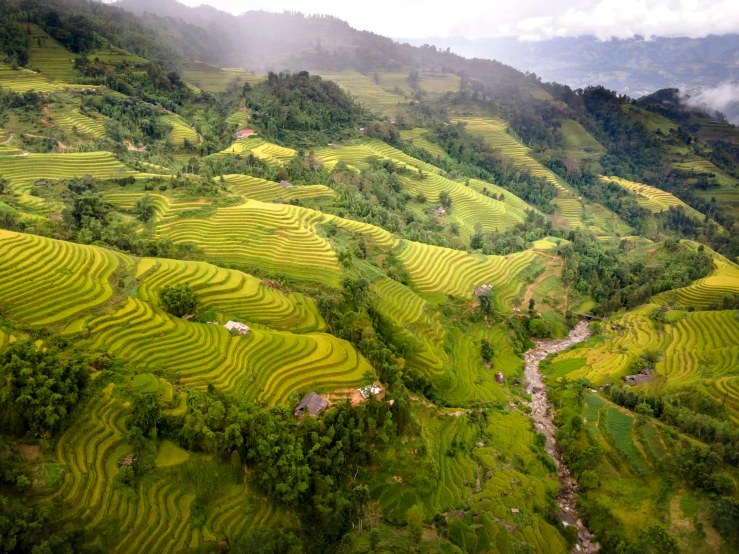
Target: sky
527, 19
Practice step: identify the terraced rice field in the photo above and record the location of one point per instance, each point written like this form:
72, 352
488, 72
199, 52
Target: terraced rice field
578, 143
156, 516
415, 136
264, 365
24, 171
111, 54
409, 311
267, 151
45, 281
700, 350
431, 82
211, 78
571, 210
651, 120
230, 292
267, 191
275, 237
49, 57
706, 292
440, 270
653, 199
165, 208
366, 91
71, 119
357, 155
22, 80
493, 131
469, 207
181, 131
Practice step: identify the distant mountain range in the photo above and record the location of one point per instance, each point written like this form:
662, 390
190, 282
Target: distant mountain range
634, 67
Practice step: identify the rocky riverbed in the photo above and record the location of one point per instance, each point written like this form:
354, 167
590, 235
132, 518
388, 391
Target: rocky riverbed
543, 422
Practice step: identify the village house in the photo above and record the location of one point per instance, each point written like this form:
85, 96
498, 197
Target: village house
240, 328
482, 289
243, 133
370, 390
286, 184
311, 404
440, 211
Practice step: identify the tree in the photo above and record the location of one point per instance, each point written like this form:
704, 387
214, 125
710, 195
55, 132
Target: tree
144, 209
179, 300
266, 540
414, 525
725, 518
589, 480
146, 413
40, 389
445, 200
136, 440
487, 301
487, 351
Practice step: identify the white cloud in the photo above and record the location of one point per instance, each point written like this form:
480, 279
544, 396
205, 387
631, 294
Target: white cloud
529, 19
718, 98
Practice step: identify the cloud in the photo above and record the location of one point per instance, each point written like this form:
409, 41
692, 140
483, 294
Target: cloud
722, 98
627, 18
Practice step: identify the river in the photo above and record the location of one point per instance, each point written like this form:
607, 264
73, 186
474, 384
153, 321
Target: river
543, 422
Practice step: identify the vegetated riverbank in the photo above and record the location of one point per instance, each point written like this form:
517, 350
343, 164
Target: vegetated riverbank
543, 421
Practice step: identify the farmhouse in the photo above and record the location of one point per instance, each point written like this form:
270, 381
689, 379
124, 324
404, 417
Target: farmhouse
286, 184
440, 211
240, 328
482, 289
40, 184
311, 404
243, 133
370, 390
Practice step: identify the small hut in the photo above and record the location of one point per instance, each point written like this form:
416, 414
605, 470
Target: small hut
311, 404
240, 328
286, 184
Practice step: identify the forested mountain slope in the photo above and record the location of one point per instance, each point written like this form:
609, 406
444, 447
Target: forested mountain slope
192, 256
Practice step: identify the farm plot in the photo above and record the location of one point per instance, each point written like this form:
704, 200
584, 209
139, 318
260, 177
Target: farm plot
620, 427
699, 350
469, 207
409, 311
45, 281
154, 517
23, 80
578, 143
211, 78
441, 270
166, 209
23, 171
49, 57
267, 191
112, 54
570, 210
181, 131
493, 131
276, 237
70, 118
357, 156
367, 91
264, 365
230, 292
260, 148
415, 137
431, 82
708, 291
653, 199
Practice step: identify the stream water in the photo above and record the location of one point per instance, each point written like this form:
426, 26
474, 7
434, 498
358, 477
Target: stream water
543, 422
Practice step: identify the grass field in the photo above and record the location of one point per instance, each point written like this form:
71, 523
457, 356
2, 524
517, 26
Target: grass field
650, 120
211, 78
366, 91
49, 57
112, 54
415, 137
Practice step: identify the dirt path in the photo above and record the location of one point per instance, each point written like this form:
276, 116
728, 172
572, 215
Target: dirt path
7, 140
548, 272
132, 148
543, 423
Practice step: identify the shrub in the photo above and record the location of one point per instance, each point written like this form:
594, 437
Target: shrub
179, 300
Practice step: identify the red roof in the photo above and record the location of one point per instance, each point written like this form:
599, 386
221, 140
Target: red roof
245, 132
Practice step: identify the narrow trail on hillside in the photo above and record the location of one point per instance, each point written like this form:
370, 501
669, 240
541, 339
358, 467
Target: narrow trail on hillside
543, 423
7, 140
